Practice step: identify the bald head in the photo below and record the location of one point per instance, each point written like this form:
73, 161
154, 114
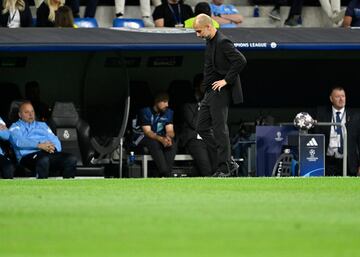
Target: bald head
204, 27
26, 112
202, 20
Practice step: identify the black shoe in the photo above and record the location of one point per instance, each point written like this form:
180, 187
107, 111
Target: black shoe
233, 168
221, 174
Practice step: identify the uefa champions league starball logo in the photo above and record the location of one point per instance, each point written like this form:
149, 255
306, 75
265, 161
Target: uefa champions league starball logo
303, 121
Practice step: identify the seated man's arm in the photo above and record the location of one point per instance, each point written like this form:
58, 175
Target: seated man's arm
228, 18
347, 21
349, 13
52, 138
170, 133
234, 18
159, 22
158, 17
152, 135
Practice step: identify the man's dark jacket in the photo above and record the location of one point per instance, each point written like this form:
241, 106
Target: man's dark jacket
228, 61
353, 139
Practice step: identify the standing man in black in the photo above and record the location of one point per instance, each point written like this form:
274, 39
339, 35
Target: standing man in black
334, 135
223, 63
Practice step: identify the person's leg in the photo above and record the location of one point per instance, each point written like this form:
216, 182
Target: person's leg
64, 162
145, 8
119, 8
156, 2
7, 168
333, 166
38, 162
296, 8
146, 13
198, 150
325, 4
204, 127
74, 5
219, 108
156, 150
169, 154
90, 8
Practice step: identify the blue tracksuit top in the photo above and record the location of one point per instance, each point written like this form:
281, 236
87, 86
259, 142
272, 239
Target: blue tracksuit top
4, 135
25, 137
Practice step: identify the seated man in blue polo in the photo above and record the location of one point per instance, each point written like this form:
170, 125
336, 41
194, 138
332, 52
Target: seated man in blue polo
157, 125
225, 14
6, 166
37, 148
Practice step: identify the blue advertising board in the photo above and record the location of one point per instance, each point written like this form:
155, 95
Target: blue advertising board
270, 141
311, 155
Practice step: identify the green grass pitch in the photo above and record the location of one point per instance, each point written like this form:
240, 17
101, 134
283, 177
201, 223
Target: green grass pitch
180, 217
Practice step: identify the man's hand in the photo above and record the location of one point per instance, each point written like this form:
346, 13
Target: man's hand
166, 142
47, 147
169, 141
217, 85
3, 127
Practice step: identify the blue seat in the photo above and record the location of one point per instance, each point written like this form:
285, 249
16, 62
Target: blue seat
128, 23
86, 22
228, 25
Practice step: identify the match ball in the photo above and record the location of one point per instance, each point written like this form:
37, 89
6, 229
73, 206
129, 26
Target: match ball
304, 121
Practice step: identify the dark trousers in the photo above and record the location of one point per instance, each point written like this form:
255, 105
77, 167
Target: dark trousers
42, 163
163, 156
6, 167
89, 11
296, 7
333, 166
203, 162
212, 126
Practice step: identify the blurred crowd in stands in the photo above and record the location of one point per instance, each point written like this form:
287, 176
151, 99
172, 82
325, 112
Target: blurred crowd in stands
166, 13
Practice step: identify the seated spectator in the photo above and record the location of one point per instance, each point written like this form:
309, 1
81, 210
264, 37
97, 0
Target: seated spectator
144, 7
6, 167
172, 13
157, 125
202, 7
192, 141
45, 14
15, 14
332, 8
32, 93
37, 148
64, 19
352, 14
225, 13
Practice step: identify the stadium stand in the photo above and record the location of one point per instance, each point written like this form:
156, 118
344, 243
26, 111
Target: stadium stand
312, 13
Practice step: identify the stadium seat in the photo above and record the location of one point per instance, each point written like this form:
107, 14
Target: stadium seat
13, 114
74, 134
9, 92
128, 23
228, 25
86, 22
